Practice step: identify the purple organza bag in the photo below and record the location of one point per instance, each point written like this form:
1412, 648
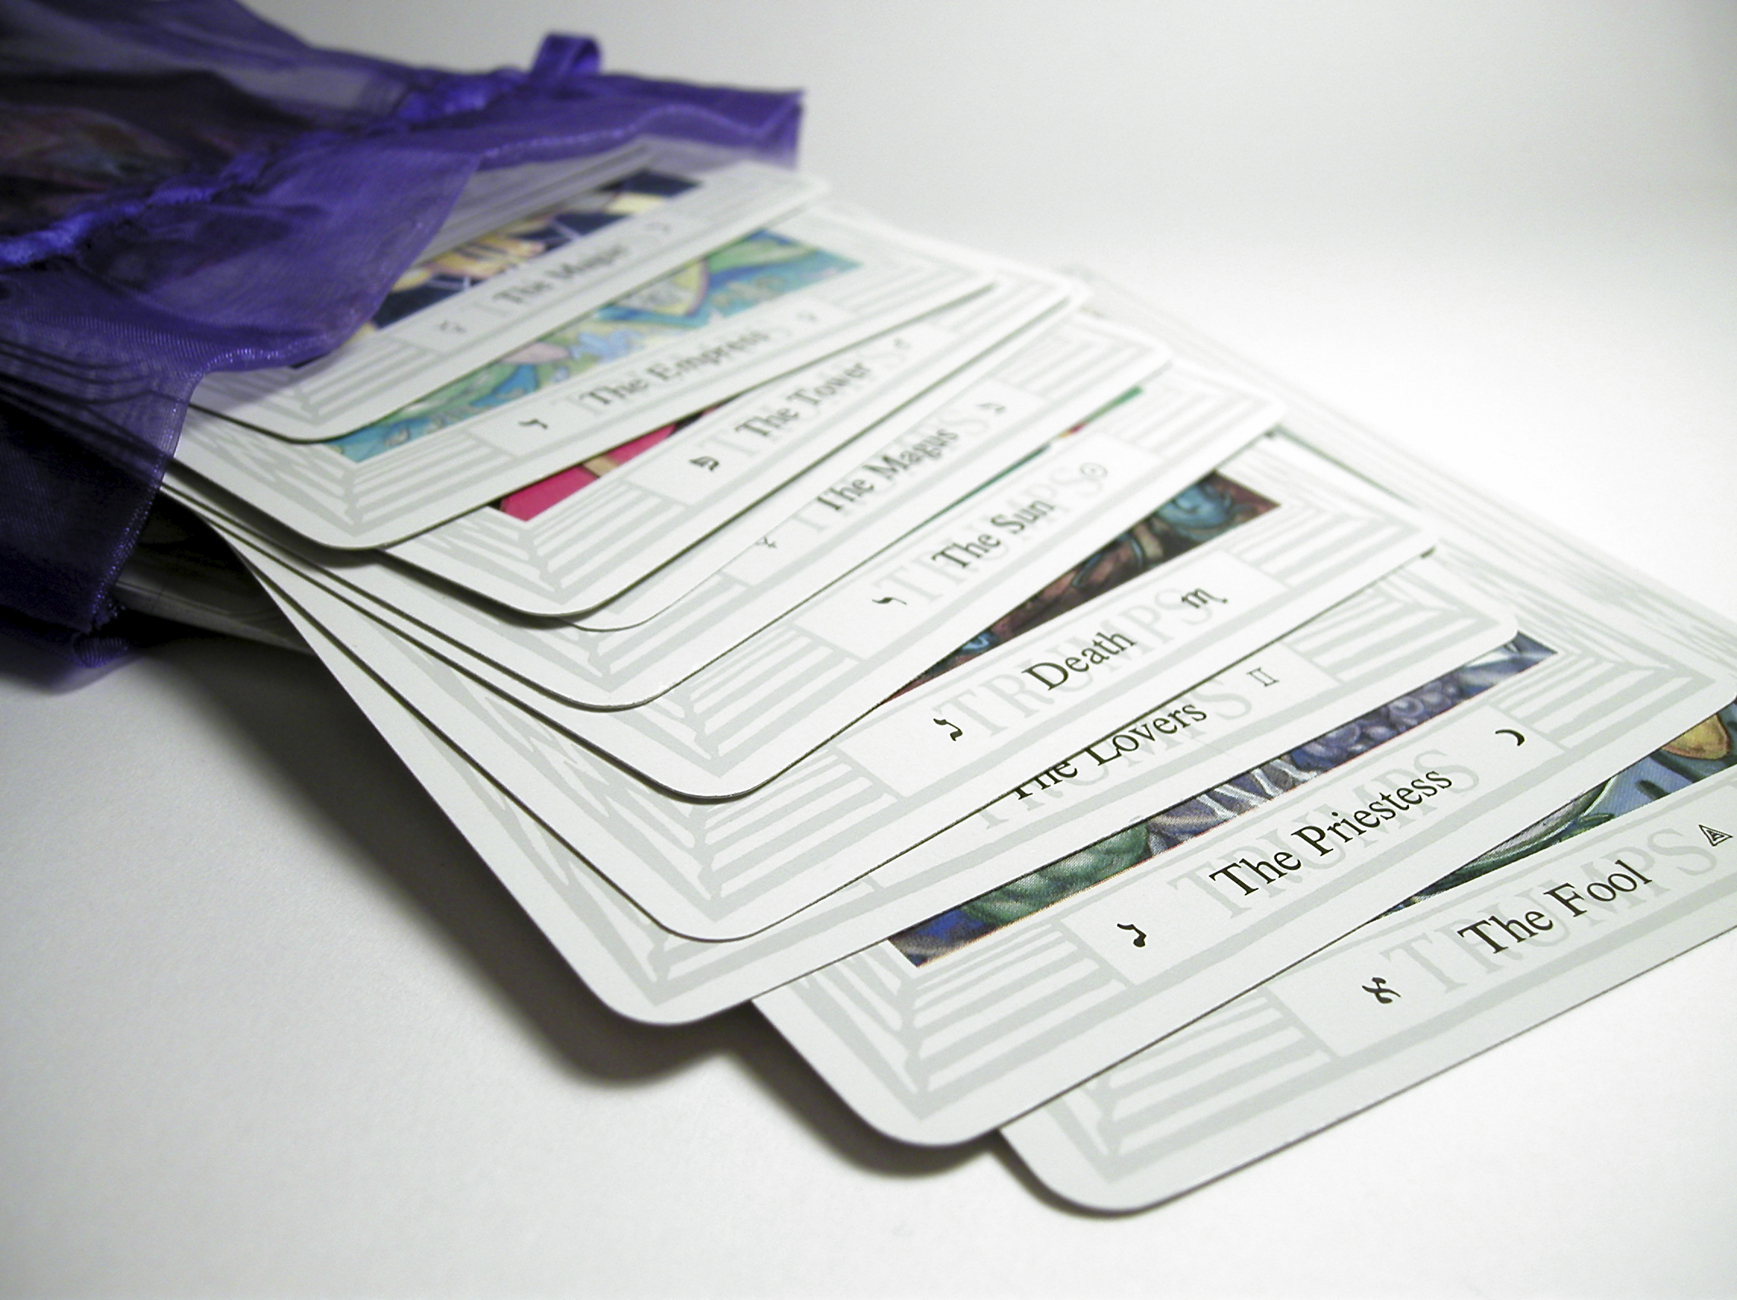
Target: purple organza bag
186, 188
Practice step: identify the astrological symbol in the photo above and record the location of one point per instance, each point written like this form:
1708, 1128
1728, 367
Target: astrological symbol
1200, 597
1509, 731
1262, 676
887, 600
994, 408
704, 462
942, 722
1139, 934
1714, 837
1378, 989
528, 424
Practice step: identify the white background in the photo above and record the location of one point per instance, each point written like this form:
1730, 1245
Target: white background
266, 1025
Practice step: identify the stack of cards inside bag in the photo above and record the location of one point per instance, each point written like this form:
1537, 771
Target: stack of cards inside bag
1046, 719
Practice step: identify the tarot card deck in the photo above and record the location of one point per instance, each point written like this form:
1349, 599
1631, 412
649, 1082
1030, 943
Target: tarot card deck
1048, 720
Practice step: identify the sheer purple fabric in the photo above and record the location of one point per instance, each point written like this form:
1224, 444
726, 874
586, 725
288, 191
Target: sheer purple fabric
186, 188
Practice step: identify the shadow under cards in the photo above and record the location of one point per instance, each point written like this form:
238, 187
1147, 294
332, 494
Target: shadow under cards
306, 729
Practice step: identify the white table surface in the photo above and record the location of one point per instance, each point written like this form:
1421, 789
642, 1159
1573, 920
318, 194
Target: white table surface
268, 1027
